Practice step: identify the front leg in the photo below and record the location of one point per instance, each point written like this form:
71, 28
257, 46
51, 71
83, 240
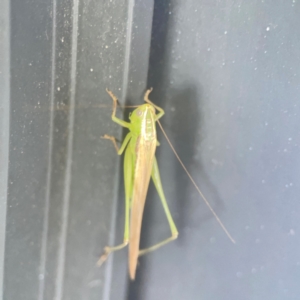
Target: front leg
113, 116
161, 112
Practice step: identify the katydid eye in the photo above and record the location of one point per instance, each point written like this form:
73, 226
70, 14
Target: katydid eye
139, 113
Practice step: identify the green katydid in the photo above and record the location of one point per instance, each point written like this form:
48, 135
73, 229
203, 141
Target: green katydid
139, 165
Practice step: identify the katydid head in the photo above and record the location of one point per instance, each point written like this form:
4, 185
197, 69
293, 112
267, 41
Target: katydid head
143, 119
141, 112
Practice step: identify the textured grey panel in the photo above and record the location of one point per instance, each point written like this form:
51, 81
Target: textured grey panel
64, 180
227, 74
4, 126
29, 146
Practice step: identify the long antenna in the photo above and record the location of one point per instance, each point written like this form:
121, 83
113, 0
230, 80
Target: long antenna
195, 185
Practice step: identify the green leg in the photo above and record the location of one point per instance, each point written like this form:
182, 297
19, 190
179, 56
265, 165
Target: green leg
113, 116
128, 180
113, 139
128, 183
157, 182
161, 112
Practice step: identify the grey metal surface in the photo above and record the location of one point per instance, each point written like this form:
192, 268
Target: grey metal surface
4, 125
29, 85
227, 74
63, 191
